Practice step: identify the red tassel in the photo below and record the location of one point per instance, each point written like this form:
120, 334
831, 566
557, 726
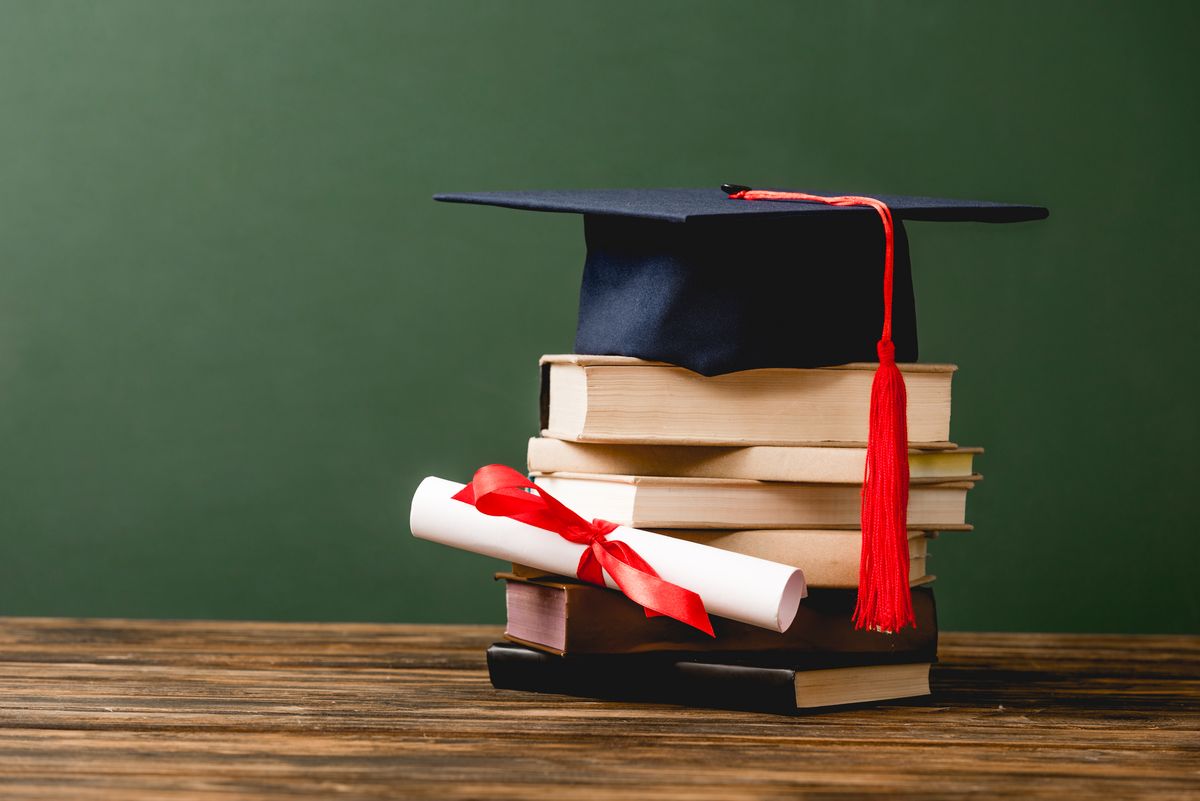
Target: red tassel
884, 598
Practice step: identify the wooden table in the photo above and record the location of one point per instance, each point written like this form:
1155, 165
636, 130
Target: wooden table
121, 709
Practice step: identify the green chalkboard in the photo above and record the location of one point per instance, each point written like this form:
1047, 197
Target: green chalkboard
235, 332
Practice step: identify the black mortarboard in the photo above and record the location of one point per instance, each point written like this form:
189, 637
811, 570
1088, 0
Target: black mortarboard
718, 280
718, 284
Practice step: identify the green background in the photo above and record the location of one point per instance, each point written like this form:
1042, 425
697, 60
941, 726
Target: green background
235, 332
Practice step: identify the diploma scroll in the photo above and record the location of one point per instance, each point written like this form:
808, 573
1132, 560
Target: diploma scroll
744, 588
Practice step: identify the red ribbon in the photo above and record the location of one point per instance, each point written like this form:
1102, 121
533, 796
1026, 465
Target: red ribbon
500, 491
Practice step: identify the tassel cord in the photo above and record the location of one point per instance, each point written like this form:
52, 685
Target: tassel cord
884, 598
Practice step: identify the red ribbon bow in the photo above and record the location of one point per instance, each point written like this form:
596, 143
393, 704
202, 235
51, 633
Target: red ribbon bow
500, 491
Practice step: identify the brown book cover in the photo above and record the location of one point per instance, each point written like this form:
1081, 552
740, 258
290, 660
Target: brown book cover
571, 617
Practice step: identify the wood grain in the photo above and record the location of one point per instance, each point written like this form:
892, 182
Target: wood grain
121, 709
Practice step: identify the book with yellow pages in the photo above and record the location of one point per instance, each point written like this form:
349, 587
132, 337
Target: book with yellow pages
620, 399
829, 558
802, 463
714, 503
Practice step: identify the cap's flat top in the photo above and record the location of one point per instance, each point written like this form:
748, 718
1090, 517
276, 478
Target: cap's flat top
588, 360
682, 205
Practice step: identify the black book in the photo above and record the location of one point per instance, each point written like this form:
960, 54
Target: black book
779, 683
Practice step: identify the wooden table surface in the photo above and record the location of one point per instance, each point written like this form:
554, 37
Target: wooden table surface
121, 709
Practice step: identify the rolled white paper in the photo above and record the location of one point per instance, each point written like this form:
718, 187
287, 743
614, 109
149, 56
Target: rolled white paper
746, 588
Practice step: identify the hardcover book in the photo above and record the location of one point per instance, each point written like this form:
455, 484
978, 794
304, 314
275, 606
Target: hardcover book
564, 616
620, 399
829, 558
752, 682
666, 502
798, 463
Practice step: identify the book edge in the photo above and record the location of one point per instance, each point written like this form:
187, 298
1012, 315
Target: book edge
601, 439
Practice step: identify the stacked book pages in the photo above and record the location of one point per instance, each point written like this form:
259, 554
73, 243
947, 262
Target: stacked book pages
767, 463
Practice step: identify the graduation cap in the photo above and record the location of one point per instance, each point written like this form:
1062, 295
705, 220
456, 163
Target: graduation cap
726, 279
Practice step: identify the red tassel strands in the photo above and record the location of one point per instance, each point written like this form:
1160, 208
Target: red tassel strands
884, 598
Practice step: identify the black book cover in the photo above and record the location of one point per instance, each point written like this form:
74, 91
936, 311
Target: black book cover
748, 682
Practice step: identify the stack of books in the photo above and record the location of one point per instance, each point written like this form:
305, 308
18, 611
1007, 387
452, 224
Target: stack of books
767, 463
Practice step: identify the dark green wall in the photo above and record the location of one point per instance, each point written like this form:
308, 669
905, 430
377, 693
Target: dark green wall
235, 332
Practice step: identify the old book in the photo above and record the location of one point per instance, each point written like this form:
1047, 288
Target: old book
826, 465
563, 616
828, 558
668, 502
750, 683
619, 399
